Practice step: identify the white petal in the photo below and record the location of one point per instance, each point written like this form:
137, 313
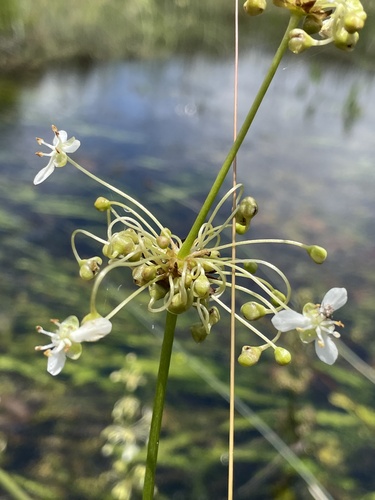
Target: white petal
92, 330
328, 353
71, 146
43, 174
336, 298
289, 320
56, 362
63, 135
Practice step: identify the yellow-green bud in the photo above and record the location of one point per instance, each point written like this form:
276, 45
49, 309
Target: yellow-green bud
312, 24
280, 296
282, 356
318, 254
255, 7
247, 209
163, 242
214, 315
201, 286
143, 274
89, 268
157, 291
242, 228
250, 266
355, 21
253, 311
102, 204
344, 40
249, 355
120, 245
198, 332
299, 41
181, 303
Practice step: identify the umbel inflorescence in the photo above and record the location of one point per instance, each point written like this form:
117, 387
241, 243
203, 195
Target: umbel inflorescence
156, 262
333, 21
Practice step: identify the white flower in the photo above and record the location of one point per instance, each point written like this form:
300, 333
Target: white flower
66, 341
61, 145
316, 323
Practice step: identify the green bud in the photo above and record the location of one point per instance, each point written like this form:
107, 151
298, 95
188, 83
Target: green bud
250, 266
143, 274
312, 24
355, 21
181, 303
198, 332
119, 245
249, 355
102, 204
255, 7
163, 242
299, 41
247, 209
308, 308
280, 296
242, 228
157, 291
253, 311
282, 356
318, 254
344, 40
89, 268
201, 286
214, 315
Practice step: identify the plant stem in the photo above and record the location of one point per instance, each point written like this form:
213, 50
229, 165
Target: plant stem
12, 487
201, 217
171, 319
157, 413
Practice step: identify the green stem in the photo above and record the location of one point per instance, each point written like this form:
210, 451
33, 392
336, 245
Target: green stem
157, 413
12, 487
171, 319
201, 217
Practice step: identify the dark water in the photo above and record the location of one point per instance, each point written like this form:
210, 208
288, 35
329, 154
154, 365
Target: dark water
160, 130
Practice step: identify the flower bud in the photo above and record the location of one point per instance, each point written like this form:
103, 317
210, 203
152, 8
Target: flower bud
249, 355
312, 24
299, 41
255, 7
318, 254
250, 266
143, 274
120, 245
89, 268
355, 21
253, 311
279, 295
157, 291
214, 315
242, 228
181, 303
198, 332
282, 356
163, 242
247, 209
102, 204
201, 286
344, 40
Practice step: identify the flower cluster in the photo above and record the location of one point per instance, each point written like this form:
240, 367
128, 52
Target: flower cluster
179, 278
334, 21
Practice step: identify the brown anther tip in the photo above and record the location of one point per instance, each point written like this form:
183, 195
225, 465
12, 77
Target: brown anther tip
39, 153
39, 140
55, 130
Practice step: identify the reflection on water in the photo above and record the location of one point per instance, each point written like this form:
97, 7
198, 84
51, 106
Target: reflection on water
161, 130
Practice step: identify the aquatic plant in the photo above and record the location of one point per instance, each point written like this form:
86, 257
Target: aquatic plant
194, 274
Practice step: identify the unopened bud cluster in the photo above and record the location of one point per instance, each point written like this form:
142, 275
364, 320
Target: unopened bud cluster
334, 21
